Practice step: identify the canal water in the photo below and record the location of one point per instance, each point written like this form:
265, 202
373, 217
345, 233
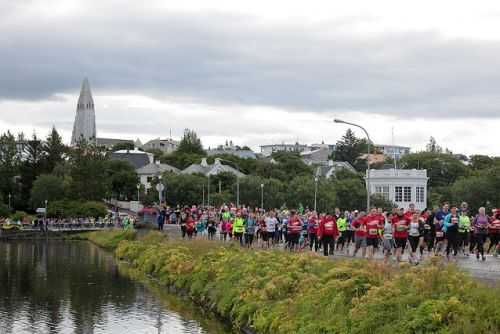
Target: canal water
75, 287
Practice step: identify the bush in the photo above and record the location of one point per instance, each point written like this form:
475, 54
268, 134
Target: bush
278, 292
109, 239
4, 211
74, 209
20, 216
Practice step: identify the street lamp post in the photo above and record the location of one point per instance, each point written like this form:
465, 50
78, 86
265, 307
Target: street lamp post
208, 191
237, 181
262, 195
367, 159
10, 203
46, 202
315, 192
138, 192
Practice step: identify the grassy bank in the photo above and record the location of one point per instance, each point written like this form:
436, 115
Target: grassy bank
107, 239
277, 292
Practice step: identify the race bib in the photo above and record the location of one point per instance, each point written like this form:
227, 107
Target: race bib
400, 228
427, 227
439, 234
373, 231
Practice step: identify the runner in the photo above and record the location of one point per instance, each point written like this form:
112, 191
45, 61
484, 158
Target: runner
494, 231
327, 233
430, 231
294, 229
270, 230
450, 228
388, 239
190, 226
359, 226
250, 227
342, 228
374, 221
480, 226
401, 225
464, 230
239, 228
415, 228
439, 227
312, 230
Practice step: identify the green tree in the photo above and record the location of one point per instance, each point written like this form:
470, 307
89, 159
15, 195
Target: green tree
4, 210
301, 192
88, 172
349, 148
184, 189
350, 191
47, 187
190, 143
122, 146
31, 167
442, 169
433, 147
122, 179
9, 165
54, 151
480, 162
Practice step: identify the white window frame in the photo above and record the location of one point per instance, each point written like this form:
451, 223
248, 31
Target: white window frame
407, 191
398, 194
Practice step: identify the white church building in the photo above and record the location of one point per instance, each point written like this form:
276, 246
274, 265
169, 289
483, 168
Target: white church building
401, 186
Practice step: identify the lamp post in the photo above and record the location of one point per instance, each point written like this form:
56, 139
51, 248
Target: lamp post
138, 192
46, 202
262, 195
367, 159
208, 191
10, 204
315, 192
237, 181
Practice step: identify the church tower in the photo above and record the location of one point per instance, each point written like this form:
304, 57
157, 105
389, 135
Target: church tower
84, 127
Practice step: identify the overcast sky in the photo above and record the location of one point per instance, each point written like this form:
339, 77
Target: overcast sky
256, 72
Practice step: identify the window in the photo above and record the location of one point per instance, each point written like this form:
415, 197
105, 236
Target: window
420, 191
382, 190
149, 178
407, 194
398, 194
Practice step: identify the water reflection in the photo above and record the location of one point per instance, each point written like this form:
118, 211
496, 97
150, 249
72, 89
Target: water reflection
74, 287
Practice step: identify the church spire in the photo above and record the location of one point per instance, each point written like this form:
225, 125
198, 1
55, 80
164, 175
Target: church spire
84, 127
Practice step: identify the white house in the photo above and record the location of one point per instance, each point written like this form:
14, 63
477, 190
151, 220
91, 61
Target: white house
393, 150
211, 170
165, 145
267, 150
401, 186
148, 172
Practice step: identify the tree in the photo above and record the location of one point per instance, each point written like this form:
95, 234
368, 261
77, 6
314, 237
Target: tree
122, 178
379, 201
184, 189
349, 148
190, 143
433, 147
480, 162
4, 211
122, 146
54, 151
88, 172
47, 187
9, 165
442, 169
30, 167
350, 192
301, 192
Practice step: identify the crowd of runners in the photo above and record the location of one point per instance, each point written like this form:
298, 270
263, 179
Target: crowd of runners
449, 230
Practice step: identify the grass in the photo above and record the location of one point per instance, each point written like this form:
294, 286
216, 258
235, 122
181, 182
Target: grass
108, 239
271, 291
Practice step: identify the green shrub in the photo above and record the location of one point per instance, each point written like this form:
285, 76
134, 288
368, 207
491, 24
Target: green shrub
4, 211
278, 292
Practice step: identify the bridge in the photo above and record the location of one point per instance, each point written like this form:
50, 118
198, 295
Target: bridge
51, 230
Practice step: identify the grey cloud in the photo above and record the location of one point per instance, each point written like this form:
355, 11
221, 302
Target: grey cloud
216, 58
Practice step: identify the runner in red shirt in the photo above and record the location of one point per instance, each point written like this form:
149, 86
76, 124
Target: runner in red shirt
494, 232
359, 226
327, 233
190, 226
411, 211
294, 229
373, 222
401, 225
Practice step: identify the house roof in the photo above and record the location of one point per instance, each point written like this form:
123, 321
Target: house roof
136, 158
214, 169
156, 169
245, 154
